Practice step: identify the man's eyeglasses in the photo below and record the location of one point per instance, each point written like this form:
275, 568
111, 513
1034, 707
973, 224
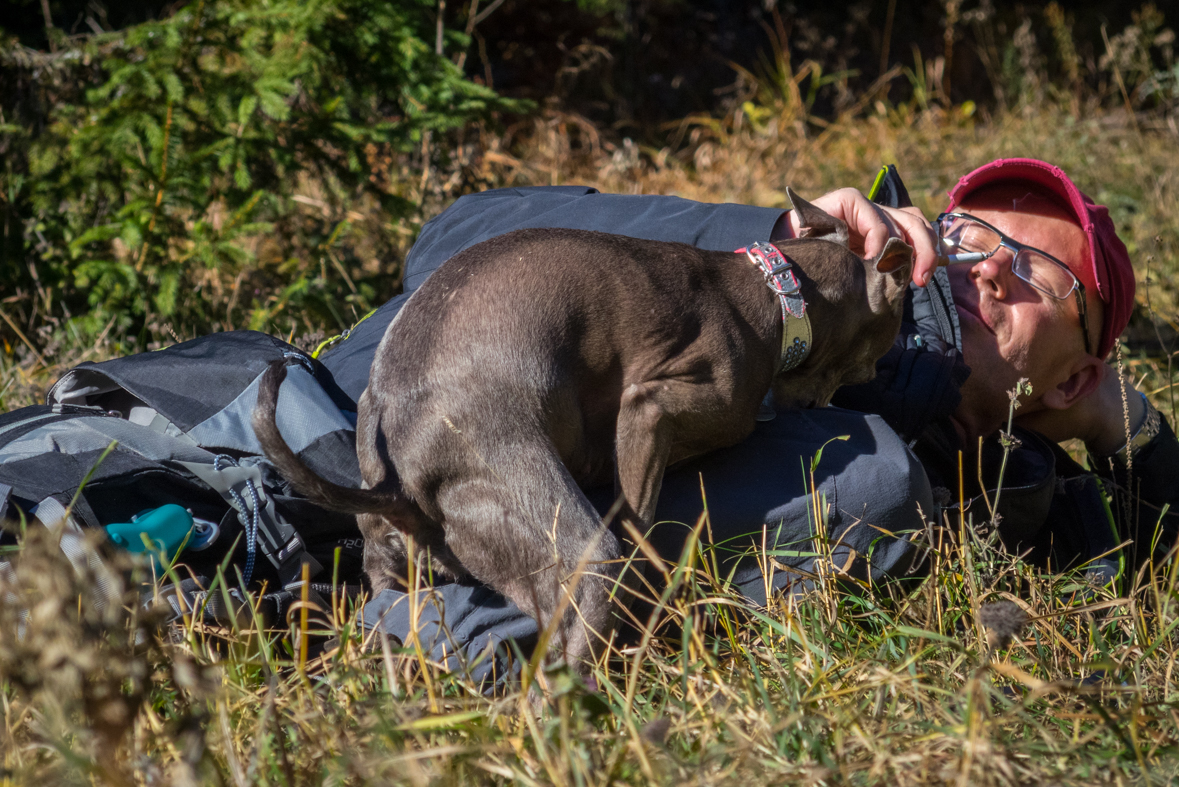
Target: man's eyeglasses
964, 238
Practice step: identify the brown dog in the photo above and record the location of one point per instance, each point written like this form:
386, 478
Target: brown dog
544, 360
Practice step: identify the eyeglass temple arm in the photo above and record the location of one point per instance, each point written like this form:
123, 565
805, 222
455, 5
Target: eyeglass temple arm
1083, 313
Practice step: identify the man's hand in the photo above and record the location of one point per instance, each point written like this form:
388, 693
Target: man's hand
870, 226
1098, 419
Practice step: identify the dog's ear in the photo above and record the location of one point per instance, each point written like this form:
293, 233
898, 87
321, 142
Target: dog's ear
894, 266
816, 222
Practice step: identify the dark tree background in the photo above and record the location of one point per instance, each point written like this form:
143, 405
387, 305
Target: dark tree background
635, 64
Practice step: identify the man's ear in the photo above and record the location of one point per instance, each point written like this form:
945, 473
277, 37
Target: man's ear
1086, 376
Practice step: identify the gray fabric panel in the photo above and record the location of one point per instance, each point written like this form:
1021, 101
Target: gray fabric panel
305, 412
333, 457
78, 386
464, 627
78, 435
25, 422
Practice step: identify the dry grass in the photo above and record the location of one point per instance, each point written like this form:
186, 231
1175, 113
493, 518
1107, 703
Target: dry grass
827, 688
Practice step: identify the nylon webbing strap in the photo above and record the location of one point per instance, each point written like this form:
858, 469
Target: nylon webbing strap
278, 540
53, 515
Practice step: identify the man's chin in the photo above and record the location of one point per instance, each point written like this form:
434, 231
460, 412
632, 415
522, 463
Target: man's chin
979, 414
970, 430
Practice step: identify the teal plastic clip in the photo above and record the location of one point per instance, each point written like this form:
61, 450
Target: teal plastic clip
166, 529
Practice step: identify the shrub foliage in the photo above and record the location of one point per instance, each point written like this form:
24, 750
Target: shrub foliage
156, 173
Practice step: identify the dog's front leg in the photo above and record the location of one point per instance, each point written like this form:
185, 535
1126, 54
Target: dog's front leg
642, 444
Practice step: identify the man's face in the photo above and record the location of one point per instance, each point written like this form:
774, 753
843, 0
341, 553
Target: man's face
1009, 328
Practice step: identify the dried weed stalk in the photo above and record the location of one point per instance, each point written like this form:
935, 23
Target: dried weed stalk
78, 642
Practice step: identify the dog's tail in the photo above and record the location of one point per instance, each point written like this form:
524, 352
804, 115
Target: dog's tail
345, 499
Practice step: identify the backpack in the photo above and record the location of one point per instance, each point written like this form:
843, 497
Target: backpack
127, 436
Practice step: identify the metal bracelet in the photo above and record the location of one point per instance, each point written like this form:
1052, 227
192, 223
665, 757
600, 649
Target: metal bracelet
1147, 431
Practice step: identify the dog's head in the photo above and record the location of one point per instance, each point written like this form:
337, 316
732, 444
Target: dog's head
855, 306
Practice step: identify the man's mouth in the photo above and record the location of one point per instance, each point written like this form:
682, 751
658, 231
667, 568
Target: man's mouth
970, 306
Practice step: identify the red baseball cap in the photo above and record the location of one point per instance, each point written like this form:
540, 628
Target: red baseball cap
1109, 268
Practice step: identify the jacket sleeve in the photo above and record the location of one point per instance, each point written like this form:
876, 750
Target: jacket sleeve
478, 217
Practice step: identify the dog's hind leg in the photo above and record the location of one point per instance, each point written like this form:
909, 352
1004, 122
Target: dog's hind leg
386, 554
523, 527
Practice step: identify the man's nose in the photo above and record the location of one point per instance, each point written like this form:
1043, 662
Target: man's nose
995, 273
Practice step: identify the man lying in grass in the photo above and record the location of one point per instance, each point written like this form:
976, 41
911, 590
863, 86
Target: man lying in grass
1038, 289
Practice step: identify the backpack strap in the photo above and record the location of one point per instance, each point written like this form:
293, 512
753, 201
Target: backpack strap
52, 514
241, 486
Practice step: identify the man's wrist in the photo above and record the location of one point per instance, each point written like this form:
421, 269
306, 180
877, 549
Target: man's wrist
1144, 424
783, 228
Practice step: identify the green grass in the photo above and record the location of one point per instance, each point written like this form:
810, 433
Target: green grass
891, 688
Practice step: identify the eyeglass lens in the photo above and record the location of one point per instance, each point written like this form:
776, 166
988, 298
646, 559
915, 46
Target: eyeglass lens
1038, 270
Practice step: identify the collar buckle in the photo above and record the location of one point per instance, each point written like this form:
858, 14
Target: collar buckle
783, 282
779, 276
